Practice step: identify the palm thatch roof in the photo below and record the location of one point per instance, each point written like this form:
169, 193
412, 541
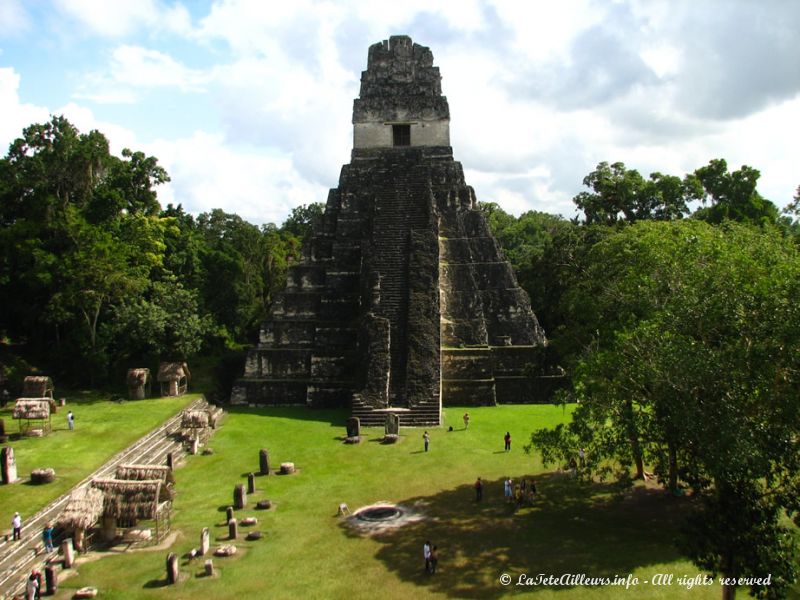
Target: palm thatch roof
137, 377
194, 418
173, 371
33, 408
37, 386
129, 500
83, 510
133, 472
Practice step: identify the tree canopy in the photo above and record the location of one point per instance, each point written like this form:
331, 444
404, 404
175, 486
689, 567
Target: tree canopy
93, 272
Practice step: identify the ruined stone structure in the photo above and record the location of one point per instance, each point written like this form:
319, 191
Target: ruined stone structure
403, 300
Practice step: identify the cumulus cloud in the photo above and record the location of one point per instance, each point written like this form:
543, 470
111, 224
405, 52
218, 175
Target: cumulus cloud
14, 21
206, 174
539, 94
118, 19
135, 68
16, 114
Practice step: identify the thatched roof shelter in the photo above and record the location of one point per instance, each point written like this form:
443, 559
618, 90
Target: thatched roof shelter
161, 473
37, 386
173, 371
138, 381
132, 472
83, 510
194, 419
137, 377
33, 408
174, 378
129, 500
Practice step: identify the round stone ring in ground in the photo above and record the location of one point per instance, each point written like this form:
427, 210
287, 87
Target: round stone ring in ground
381, 516
379, 513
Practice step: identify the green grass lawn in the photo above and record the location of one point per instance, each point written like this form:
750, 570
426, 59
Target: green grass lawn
102, 428
308, 552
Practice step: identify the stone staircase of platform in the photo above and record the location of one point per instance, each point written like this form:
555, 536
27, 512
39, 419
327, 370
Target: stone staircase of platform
401, 205
426, 414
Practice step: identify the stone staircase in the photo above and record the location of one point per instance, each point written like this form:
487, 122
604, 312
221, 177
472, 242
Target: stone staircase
402, 204
427, 414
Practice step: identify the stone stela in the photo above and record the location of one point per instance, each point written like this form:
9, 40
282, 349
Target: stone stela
392, 425
263, 462
8, 465
353, 431
173, 571
204, 541
239, 496
403, 301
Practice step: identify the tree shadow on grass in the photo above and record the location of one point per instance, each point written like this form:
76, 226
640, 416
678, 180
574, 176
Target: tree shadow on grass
571, 528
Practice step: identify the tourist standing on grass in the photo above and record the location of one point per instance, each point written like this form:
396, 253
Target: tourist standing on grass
427, 439
507, 489
70, 420
582, 457
507, 440
466, 420
47, 537
426, 553
478, 490
16, 525
434, 559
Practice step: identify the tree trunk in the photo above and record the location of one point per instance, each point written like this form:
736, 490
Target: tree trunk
727, 570
633, 436
673, 467
728, 592
637, 457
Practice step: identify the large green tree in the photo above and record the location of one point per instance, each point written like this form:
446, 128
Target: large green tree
78, 235
622, 194
733, 195
694, 369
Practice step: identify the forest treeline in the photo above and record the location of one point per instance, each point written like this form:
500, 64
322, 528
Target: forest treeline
671, 304
96, 276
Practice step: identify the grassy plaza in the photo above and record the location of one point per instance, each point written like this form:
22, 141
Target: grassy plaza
308, 551
102, 428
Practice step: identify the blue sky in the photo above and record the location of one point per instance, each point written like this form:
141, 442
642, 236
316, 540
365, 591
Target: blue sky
247, 103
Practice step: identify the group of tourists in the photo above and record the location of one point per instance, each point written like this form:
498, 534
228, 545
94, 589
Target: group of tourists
519, 493
47, 532
431, 555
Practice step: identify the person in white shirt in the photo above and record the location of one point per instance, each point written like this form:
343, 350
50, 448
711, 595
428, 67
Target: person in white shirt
426, 553
16, 524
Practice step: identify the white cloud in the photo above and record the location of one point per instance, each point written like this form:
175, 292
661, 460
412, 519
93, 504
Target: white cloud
118, 19
542, 31
141, 67
539, 94
206, 174
16, 114
132, 69
14, 21
83, 118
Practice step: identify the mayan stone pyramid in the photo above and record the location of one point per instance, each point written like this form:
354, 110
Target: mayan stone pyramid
403, 301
